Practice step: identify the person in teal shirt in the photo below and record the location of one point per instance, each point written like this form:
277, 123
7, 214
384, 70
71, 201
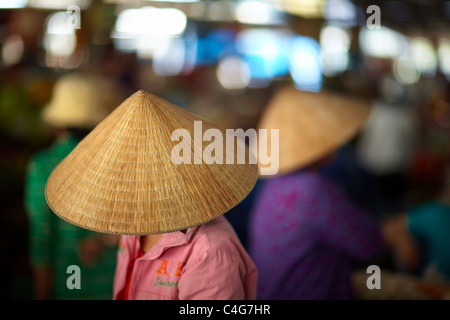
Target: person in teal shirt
420, 239
55, 244
429, 224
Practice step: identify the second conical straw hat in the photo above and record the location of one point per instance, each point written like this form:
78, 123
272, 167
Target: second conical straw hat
310, 124
86, 111
122, 179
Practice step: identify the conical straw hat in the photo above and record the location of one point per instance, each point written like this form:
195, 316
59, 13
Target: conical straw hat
311, 125
121, 179
75, 103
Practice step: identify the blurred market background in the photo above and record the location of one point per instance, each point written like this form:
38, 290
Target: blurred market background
223, 60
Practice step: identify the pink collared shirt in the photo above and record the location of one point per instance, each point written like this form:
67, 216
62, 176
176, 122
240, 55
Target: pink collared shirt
207, 262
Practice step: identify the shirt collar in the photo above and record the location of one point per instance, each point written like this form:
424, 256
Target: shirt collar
169, 240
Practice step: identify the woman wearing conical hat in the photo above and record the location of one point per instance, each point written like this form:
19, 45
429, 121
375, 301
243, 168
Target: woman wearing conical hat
308, 227
122, 179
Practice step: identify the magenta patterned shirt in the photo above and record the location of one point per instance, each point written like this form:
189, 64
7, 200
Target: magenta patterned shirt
305, 235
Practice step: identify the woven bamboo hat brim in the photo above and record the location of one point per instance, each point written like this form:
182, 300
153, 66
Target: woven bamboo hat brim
121, 179
75, 103
311, 125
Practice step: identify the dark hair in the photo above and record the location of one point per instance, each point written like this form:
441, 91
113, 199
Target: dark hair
79, 133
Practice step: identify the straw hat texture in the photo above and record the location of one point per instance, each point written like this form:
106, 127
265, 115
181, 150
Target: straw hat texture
121, 179
75, 102
311, 125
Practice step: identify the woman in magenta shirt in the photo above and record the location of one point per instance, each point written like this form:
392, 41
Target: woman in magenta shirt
305, 233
